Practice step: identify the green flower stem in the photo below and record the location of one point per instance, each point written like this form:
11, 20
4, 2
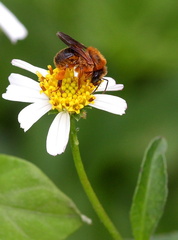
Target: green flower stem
87, 186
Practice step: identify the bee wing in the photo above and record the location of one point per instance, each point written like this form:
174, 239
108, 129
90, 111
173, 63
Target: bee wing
68, 40
75, 45
82, 53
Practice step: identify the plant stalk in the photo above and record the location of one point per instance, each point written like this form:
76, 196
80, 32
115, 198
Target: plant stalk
87, 186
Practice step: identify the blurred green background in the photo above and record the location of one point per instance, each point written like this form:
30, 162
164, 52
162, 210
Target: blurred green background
139, 39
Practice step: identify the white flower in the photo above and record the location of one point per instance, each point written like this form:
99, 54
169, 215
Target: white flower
24, 89
10, 25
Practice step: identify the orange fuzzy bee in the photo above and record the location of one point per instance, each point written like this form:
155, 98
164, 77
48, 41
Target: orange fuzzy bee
88, 61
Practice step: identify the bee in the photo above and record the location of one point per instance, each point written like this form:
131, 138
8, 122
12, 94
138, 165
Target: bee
87, 61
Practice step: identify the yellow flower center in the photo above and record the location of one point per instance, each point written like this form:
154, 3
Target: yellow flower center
69, 94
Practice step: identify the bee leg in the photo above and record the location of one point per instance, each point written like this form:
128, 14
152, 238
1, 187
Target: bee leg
61, 74
78, 70
99, 85
106, 84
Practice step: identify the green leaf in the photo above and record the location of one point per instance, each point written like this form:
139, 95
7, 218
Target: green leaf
151, 191
171, 236
31, 206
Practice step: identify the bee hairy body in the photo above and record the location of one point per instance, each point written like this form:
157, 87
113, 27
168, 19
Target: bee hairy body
87, 61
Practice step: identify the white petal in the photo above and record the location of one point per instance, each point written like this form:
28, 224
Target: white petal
20, 80
58, 134
10, 25
109, 103
29, 67
23, 89
32, 113
17, 94
109, 84
116, 87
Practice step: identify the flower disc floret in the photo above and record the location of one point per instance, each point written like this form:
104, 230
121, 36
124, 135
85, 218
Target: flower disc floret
70, 93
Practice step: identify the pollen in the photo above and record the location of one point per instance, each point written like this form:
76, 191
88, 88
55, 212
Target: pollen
65, 90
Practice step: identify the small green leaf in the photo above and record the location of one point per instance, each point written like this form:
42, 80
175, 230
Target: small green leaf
31, 206
151, 191
170, 236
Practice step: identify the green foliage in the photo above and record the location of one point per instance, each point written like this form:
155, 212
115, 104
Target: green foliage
31, 206
151, 191
171, 236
